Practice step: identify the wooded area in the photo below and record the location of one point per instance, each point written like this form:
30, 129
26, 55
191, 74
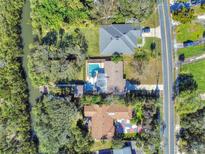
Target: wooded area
57, 122
190, 109
15, 126
57, 57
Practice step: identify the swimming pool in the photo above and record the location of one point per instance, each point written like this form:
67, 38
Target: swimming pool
93, 68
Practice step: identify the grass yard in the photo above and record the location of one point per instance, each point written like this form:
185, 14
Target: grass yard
198, 10
189, 31
198, 71
192, 51
101, 145
152, 21
149, 41
81, 74
151, 72
92, 36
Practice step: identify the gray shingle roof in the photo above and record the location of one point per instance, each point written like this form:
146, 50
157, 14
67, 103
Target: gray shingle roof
121, 38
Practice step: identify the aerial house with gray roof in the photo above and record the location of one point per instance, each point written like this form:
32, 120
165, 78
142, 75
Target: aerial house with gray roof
119, 38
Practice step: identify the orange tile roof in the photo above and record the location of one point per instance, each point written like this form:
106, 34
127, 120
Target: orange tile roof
102, 119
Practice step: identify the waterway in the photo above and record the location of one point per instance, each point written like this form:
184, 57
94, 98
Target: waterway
27, 37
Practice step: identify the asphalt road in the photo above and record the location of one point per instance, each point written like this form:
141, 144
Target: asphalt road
168, 76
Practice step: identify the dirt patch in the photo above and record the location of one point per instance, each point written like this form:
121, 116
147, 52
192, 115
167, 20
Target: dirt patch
152, 71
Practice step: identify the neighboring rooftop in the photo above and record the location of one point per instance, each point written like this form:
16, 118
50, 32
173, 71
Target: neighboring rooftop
103, 117
119, 38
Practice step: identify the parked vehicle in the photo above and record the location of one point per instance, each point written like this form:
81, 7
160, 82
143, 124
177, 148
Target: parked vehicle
146, 29
188, 43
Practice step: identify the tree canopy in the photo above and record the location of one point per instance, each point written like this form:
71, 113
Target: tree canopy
55, 121
58, 57
15, 128
184, 15
53, 13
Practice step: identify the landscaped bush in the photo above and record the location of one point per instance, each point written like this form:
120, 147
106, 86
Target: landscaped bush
91, 99
184, 15
116, 58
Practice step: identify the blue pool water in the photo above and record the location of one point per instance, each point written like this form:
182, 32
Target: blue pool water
92, 69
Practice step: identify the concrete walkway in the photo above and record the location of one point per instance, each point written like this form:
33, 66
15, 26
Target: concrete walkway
150, 87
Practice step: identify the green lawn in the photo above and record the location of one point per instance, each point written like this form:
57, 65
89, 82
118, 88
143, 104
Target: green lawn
149, 41
189, 31
198, 10
92, 36
198, 71
192, 51
152, 70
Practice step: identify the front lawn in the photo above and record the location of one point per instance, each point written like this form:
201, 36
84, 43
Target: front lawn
197, 69
192, 51
189, 31
149, 41
152, 71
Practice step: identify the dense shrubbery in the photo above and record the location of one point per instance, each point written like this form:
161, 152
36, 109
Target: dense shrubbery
55, 121
57, 57
192, 136
185, 83
189, 106
184, 15
53, 14
15, 129
120, 11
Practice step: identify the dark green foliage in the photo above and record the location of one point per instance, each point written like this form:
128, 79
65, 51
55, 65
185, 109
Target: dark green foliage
101, 99
185, 83
55, 122
184, 15
52, 13
58, 57
150, 136
91, 99
142, 95
15, 128
117, 58
192, 136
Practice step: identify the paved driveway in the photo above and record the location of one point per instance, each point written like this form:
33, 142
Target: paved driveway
154, 32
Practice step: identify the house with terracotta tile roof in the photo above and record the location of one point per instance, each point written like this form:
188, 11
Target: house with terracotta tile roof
102, 119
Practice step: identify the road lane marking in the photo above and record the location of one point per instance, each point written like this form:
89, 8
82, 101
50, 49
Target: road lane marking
168, 73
